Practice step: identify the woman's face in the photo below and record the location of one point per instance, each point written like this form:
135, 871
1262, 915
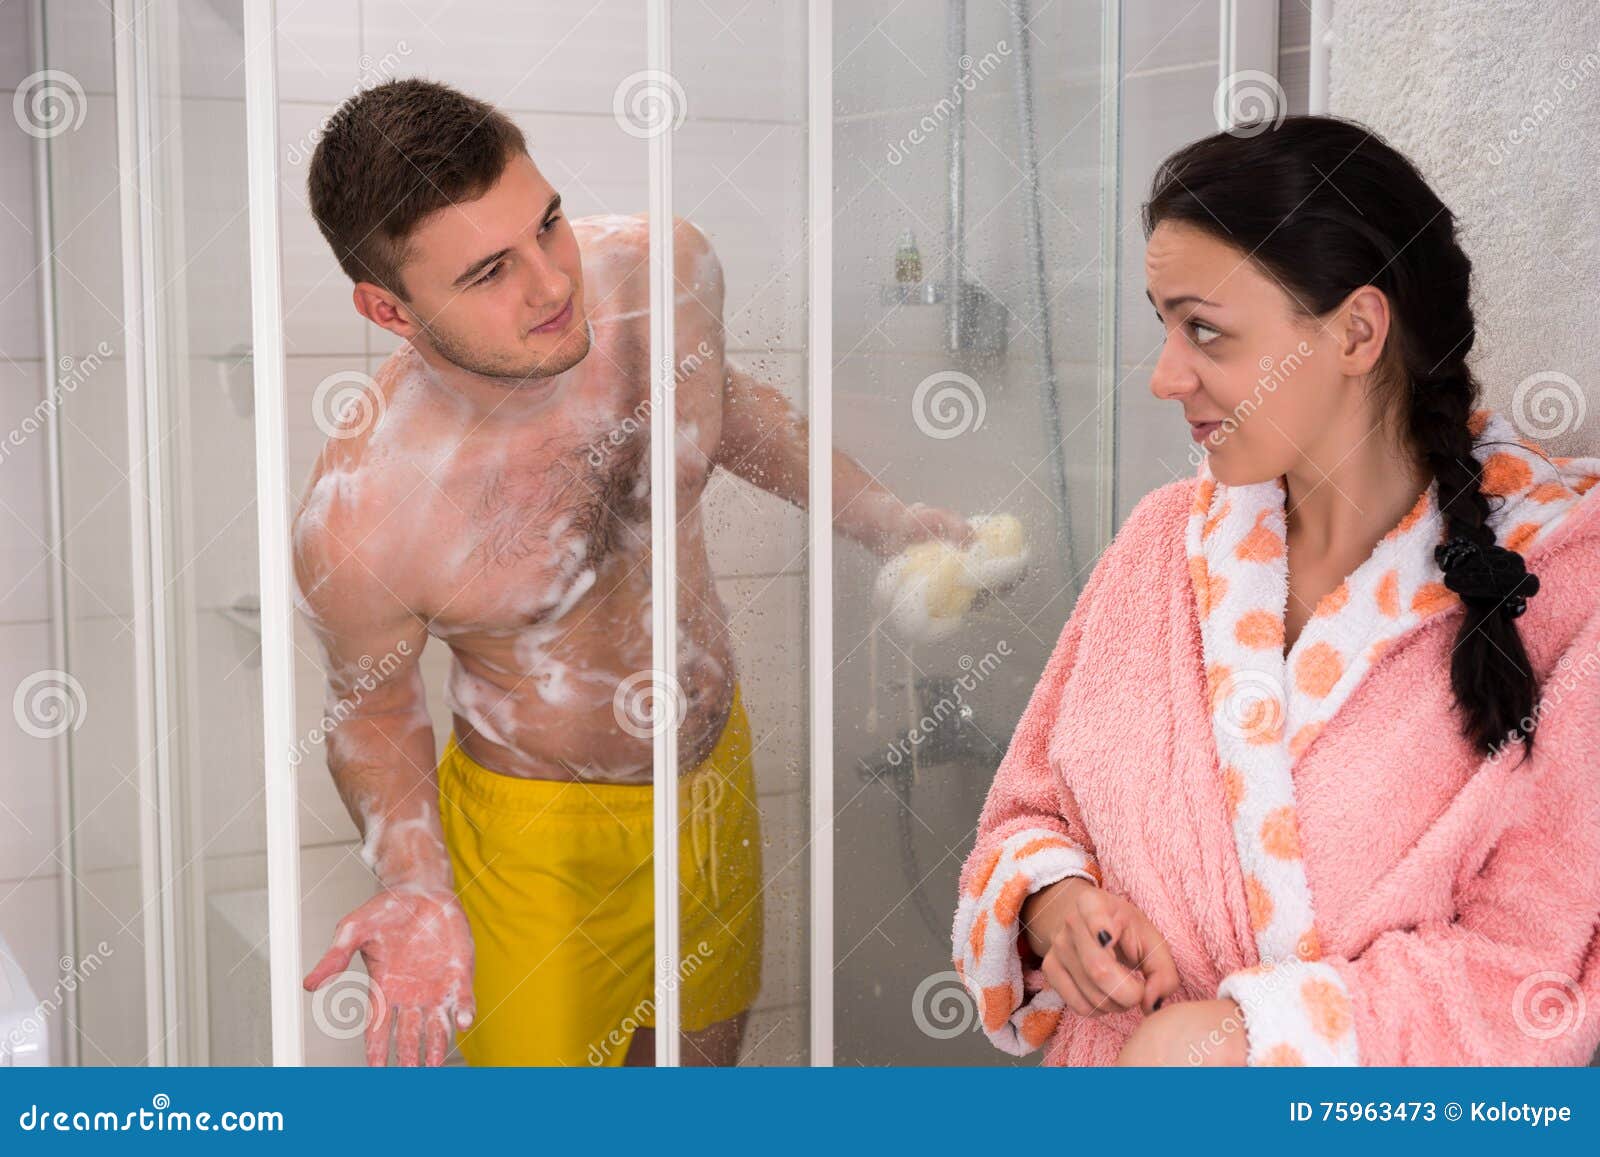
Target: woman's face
1263, 388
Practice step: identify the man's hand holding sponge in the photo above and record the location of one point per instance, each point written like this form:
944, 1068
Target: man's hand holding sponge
928, 588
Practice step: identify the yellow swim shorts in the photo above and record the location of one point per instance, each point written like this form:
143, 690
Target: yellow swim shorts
557, 881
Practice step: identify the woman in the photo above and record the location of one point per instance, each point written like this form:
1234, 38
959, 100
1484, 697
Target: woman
1306, 674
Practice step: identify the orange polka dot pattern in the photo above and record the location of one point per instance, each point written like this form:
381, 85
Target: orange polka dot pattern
1268, 709
1018, 1014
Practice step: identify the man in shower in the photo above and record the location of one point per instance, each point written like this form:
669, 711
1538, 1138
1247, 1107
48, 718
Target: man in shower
491, 488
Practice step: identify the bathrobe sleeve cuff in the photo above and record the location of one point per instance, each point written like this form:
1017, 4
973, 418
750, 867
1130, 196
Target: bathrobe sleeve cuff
1296, 1012
1018, 1013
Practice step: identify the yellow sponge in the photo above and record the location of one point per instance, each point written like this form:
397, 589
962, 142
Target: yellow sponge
927, 589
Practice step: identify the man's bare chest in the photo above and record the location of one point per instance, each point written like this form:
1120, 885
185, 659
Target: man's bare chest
544, 523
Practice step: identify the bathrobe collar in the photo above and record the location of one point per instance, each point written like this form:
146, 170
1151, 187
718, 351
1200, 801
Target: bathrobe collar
1267, 709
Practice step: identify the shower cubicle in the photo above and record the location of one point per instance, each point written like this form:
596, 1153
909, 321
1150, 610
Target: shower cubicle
923, 212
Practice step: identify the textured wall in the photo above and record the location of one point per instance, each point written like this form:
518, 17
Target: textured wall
1499, 105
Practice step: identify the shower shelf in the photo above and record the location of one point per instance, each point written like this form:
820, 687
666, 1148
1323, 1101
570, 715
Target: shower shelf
911, 293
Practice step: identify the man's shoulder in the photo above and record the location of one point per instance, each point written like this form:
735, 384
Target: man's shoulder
625, 237
605, 232
351, 500
616, 272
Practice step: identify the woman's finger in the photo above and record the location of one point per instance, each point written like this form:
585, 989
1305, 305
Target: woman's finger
1103, 912
1144, 949
1067, 988
1119, 986
1072, 958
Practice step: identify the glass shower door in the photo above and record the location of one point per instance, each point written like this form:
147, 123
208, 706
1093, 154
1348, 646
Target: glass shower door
739, 174
974, 275
164, 835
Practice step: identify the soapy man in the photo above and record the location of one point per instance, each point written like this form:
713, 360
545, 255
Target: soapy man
491, 490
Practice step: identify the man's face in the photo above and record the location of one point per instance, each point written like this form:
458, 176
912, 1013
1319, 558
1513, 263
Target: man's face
496, 284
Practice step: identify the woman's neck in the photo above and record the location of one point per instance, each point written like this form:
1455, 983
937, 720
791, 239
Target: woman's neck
1343, 497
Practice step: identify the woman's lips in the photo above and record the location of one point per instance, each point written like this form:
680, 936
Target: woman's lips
1200, 431
557, 322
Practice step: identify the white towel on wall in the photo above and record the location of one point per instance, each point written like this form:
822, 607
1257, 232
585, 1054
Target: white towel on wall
1498, 104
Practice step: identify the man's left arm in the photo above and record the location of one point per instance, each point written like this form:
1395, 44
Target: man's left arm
764, 439
766, 442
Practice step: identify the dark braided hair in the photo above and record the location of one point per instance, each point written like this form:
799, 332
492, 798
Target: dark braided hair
1324, 206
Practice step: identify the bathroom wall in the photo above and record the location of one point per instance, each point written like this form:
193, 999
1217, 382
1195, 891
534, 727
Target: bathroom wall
1503, 120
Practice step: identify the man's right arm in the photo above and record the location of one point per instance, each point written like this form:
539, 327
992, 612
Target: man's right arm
413, 935
378, 734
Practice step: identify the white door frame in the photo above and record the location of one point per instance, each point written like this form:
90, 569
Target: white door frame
272, 528
665, 693
819, 542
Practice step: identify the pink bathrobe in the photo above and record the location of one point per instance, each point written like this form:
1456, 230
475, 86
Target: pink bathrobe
1172, 754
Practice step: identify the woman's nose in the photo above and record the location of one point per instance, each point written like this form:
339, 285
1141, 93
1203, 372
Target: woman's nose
1172, 379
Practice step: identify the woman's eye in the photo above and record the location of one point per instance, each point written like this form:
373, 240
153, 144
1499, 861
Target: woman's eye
550, 224
494, 271
1195, 327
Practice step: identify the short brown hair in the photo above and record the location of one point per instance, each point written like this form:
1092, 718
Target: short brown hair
391, 155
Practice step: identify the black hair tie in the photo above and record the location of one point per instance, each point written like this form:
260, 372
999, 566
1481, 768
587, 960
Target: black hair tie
1486, 576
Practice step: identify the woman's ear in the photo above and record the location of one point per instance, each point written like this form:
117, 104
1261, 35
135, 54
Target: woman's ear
1361, 326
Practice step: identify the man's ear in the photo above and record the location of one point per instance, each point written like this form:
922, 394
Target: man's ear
383, 309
